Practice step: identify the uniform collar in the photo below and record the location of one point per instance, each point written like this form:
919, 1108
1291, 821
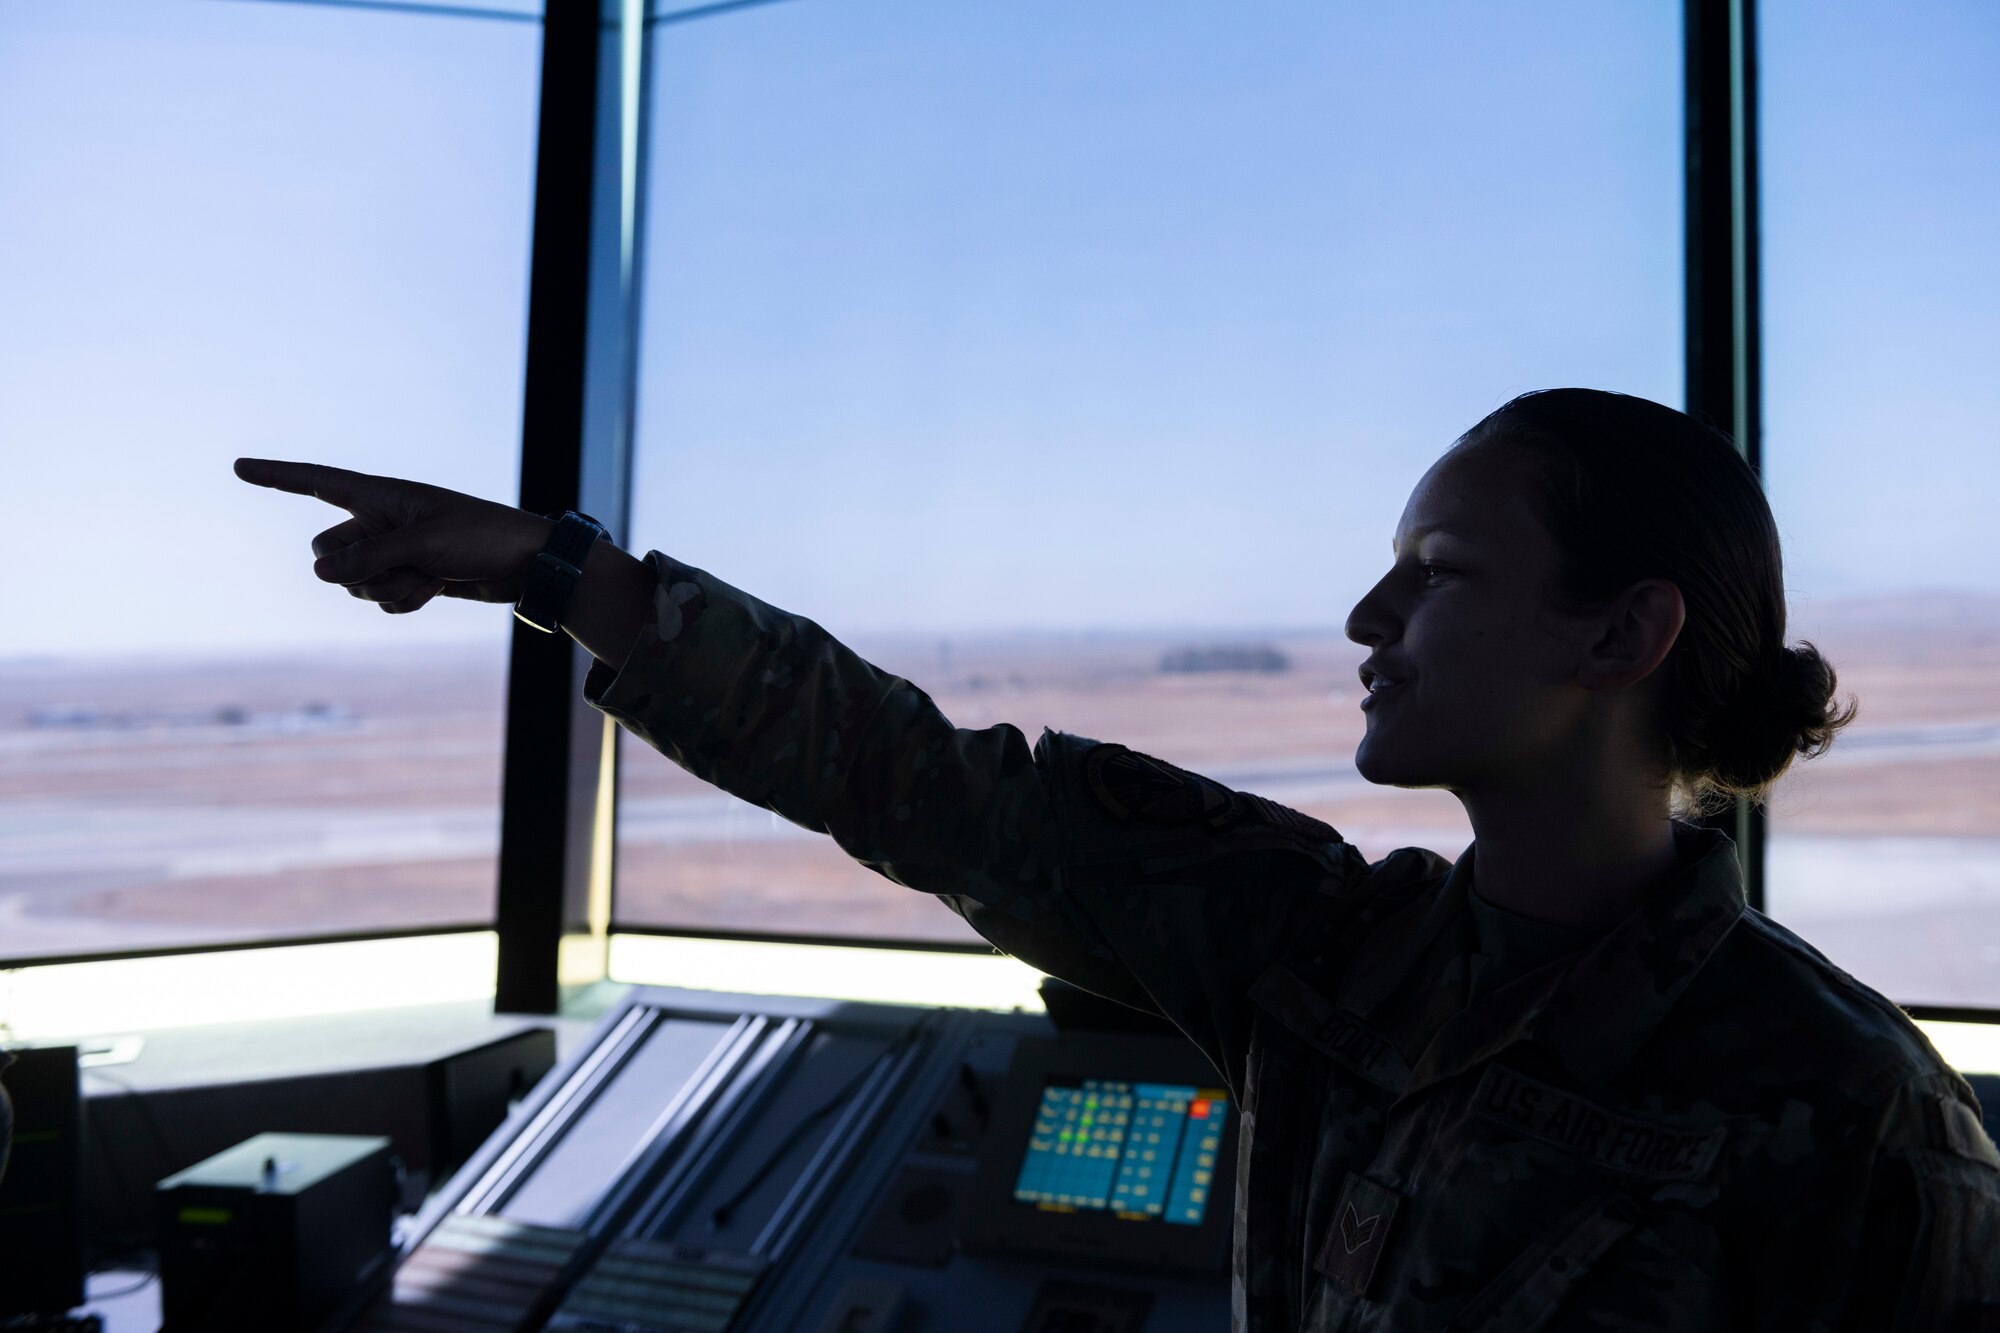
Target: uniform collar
1613, 997
1593, 1009
1375, 975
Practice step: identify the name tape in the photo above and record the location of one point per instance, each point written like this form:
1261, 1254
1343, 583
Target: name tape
1332, 1031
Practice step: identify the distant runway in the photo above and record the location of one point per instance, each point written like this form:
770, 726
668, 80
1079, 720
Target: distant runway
59, 851
1881, 745
107, 841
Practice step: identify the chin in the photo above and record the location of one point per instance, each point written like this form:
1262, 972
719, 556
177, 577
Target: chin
1385, 770
1386, 767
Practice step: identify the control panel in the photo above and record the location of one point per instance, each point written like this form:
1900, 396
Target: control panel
755, 1164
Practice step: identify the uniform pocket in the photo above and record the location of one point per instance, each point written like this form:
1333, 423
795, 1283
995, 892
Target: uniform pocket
1950, 1248
1285, 1098
1529, 1291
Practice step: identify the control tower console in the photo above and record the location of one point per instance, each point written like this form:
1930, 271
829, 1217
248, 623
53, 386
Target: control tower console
755, 1164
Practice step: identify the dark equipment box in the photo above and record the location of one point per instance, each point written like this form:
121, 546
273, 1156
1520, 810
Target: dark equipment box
278, 1234
41, 1188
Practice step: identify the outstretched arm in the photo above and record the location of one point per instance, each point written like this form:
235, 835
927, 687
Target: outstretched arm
770, 709
1175, 915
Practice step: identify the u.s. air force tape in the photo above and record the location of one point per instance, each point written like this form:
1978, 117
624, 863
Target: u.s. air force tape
1620, 1142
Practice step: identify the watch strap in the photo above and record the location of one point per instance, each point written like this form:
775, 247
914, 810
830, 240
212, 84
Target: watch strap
556, 570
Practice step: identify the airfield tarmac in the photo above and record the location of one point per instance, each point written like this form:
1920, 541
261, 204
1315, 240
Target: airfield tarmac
159, 805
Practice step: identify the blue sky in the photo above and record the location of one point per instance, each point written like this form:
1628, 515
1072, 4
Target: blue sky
966, 317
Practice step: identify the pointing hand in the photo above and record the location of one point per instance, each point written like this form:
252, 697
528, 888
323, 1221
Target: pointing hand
408, 542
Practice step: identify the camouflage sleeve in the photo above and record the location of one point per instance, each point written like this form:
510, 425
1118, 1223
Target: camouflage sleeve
1906, 1235
771, 708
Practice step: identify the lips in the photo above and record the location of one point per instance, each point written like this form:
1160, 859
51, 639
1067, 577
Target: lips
1377, 683
1374, 677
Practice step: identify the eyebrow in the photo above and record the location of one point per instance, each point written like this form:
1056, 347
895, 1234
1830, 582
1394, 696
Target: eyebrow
1447, 531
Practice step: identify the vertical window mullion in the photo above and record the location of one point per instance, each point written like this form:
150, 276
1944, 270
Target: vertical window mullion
1724, 383
576, 419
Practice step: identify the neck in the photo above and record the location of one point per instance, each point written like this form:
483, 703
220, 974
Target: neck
1571, 854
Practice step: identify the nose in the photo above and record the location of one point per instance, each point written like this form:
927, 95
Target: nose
1370, 622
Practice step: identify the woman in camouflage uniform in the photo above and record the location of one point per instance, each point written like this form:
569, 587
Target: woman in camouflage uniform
1568, 1081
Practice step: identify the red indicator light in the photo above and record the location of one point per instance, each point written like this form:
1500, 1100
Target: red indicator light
1198, 1111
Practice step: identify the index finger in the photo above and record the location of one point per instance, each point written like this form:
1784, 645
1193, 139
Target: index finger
331, 484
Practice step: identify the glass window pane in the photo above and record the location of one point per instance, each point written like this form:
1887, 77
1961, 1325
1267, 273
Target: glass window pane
1029, 346
1881, 323
266, 229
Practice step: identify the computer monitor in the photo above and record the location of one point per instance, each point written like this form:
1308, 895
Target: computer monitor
1140, 1151
1119, 1149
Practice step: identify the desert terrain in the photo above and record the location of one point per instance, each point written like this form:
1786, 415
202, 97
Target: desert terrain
168, 802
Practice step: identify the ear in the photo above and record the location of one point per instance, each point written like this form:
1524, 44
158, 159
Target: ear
1634, 635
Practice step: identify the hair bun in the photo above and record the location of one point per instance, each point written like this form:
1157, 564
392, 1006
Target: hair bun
1807, 683
1783, 713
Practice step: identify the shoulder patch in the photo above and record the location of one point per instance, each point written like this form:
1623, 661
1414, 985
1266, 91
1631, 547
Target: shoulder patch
1958, 1130
1290, 820
1131, 786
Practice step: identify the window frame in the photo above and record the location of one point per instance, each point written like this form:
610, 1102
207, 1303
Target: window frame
559, 786
472, 10
1723, 353
1721, 348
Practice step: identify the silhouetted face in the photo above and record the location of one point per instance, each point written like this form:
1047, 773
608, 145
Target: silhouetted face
1481, 666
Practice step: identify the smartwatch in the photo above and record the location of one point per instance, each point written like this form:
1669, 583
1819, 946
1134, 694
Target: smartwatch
553, 576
